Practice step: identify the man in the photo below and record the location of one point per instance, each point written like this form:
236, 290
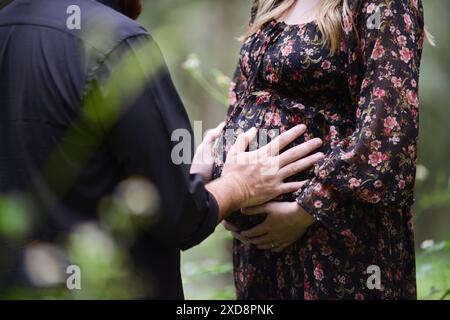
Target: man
86, 102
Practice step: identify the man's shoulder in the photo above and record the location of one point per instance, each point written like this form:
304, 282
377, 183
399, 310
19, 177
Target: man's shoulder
95, 24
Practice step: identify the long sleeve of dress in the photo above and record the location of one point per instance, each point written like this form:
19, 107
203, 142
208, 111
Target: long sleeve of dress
376, 164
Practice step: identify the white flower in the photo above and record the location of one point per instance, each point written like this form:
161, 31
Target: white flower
427, 244
421, 172
192, 62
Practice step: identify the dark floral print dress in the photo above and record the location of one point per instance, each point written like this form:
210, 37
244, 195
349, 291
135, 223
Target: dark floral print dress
363, 102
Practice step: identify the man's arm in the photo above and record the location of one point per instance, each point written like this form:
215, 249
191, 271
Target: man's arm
139, 135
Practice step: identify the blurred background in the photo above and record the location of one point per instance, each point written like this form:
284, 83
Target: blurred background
199, 41
204, 32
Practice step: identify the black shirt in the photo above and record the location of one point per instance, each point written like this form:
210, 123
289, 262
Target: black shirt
71, 130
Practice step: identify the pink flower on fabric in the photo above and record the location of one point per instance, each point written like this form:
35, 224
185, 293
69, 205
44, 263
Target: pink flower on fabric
347, 25
397, 82
408, 22
308, 296
378, 184
406, 55
379, 93
287, 50
326, 65
354, 183
318, 204
412, 98
318, 273
371, 8
376, 144
390, 123
378, 50
402, 40
375, 158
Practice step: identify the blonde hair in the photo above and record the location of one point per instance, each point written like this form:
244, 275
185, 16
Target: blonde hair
329, 19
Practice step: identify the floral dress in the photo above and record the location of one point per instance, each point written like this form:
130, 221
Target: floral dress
363, 103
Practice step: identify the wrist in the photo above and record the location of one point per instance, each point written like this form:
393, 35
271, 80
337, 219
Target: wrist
229, 195
306, 218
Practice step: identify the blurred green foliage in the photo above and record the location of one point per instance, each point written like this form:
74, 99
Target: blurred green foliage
14, 218
433, 271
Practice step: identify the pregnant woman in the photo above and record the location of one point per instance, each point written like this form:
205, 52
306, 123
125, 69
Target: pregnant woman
348, 70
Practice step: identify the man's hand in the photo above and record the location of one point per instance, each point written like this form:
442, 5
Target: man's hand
255, 177
285, 223
203, 161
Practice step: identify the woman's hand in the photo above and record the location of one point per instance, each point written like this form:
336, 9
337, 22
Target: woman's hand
234, 231
203, 161
285, 223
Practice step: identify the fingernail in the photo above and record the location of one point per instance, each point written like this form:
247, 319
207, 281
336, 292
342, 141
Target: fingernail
302, 127
318, 141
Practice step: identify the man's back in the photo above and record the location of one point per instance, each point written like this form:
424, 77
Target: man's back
65, 163
45, 71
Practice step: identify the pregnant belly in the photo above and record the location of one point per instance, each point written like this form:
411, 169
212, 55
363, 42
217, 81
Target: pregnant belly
271, 118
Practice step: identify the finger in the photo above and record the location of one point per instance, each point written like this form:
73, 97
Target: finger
242, 141
230, 227
299, 152
262, 241
268, 246
220, 127
284, 139
239, 237
280, 248
254, 232
300, 165
213, 134
255, 210
290, 187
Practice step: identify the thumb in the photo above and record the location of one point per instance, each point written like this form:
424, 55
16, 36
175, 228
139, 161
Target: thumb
243, 141
213, 134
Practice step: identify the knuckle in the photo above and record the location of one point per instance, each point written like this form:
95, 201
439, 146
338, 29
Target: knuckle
293, 169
